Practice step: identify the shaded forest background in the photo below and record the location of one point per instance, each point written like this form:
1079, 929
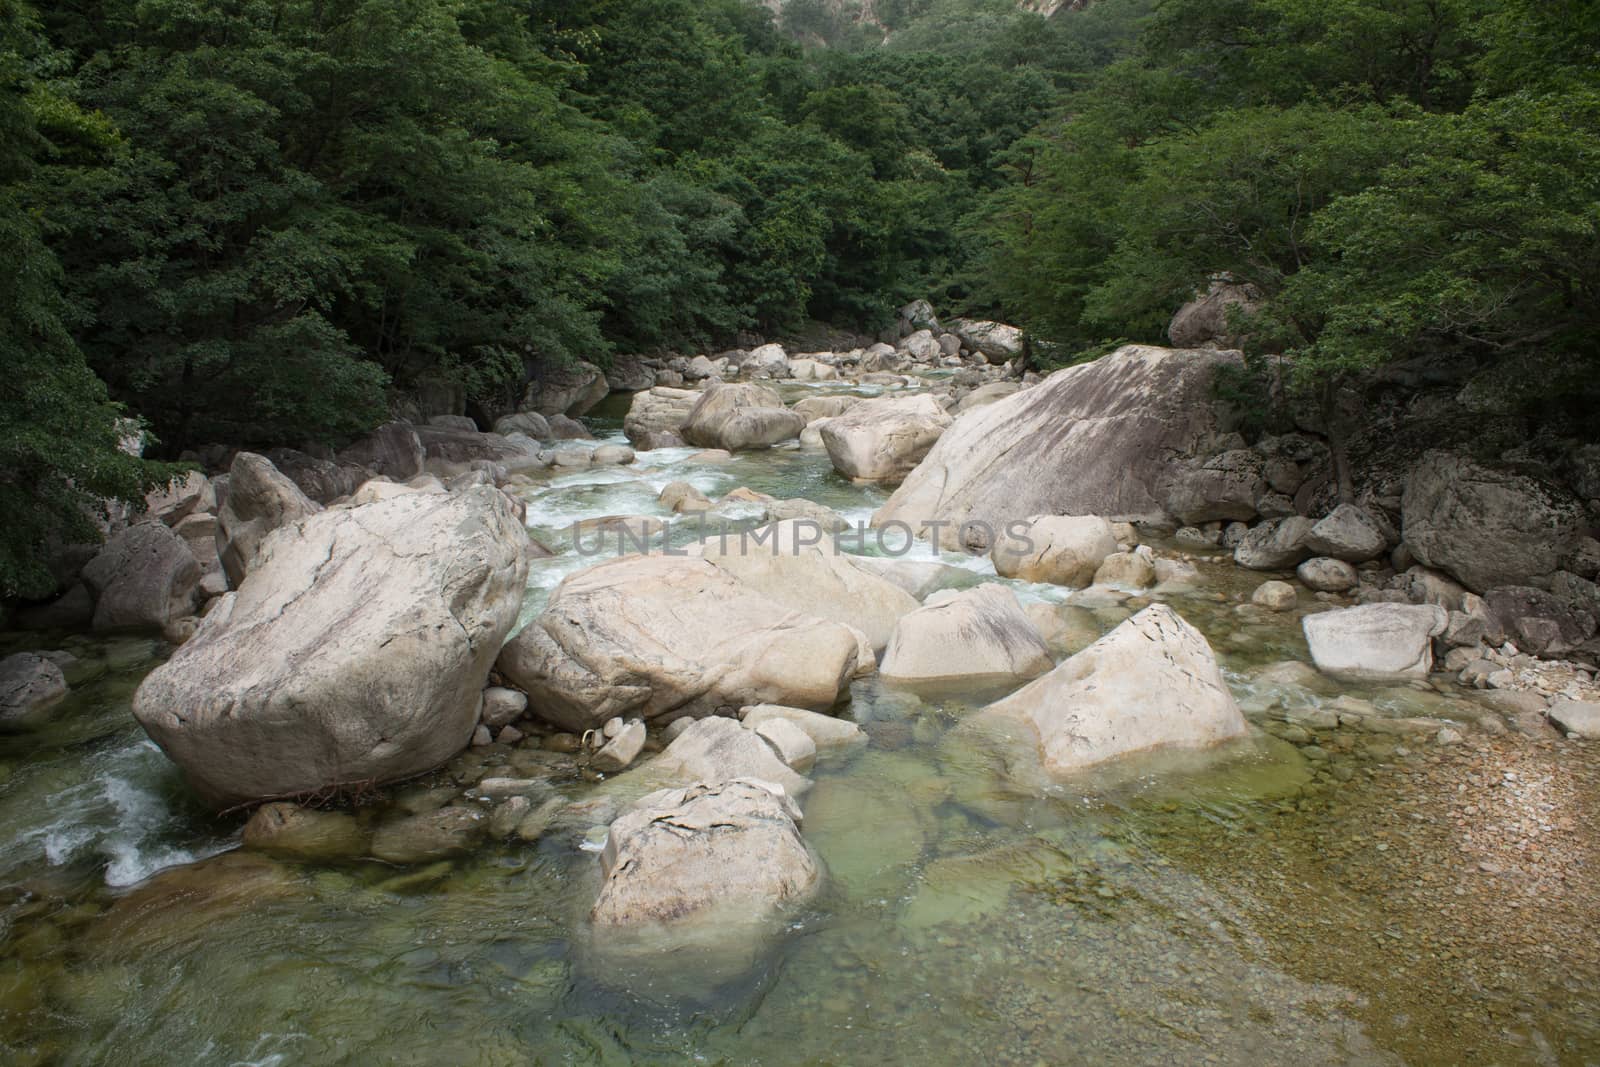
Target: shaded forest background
258, 221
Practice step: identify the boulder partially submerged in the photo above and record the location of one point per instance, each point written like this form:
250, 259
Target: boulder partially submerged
739, 417
883, 439
723, 852
1375, 642
978, 634
797, 564
354, 652
650, 635
1059, 549
1150, 683
30, 685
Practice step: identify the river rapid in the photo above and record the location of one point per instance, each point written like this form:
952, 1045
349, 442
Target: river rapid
1315, 897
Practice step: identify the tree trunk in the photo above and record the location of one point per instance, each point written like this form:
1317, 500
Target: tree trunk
1334, 422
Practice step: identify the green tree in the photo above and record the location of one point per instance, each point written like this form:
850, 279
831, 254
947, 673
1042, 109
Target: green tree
60, 434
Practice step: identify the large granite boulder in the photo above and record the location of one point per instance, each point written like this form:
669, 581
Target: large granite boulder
1204, 320
739, 417
450, 449
392, 450
883, 439
728, 852
260, 499
922, 347
569, 389
1059, 549
354, 652
651, 635
797, 564
656, 416
1101, 438
143, 579
1375, 642
629, 374
529, 424
1151, 683
1223, 488
189, 493
1347, 533
979, 634
825, 407
1541, 622
321, 480
917, 315
1486, 527
718, 748
1275, 545
766, 361
997, 341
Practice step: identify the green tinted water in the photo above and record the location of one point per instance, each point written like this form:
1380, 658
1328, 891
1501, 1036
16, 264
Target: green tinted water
1184, 909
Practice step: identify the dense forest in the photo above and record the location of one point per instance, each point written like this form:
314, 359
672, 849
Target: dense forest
258, 221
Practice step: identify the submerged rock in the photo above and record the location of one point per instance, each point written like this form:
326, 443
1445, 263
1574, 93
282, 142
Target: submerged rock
825, 731
294, 832
432, 836
648, 635
354, 652
1274, 596
724, 853
1375, 642
30, 685
1150, 683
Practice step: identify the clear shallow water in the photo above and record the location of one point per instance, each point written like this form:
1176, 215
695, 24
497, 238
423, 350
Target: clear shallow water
1236, 909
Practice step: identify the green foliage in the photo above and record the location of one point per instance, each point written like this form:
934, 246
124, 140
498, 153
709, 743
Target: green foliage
274, 214
60, 458
1396, 179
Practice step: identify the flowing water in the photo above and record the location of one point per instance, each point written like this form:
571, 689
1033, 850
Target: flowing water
1345, 898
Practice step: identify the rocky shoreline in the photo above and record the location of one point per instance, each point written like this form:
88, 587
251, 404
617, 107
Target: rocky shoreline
346, 624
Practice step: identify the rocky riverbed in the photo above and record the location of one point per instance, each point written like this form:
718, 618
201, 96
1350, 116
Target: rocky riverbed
1380, 870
